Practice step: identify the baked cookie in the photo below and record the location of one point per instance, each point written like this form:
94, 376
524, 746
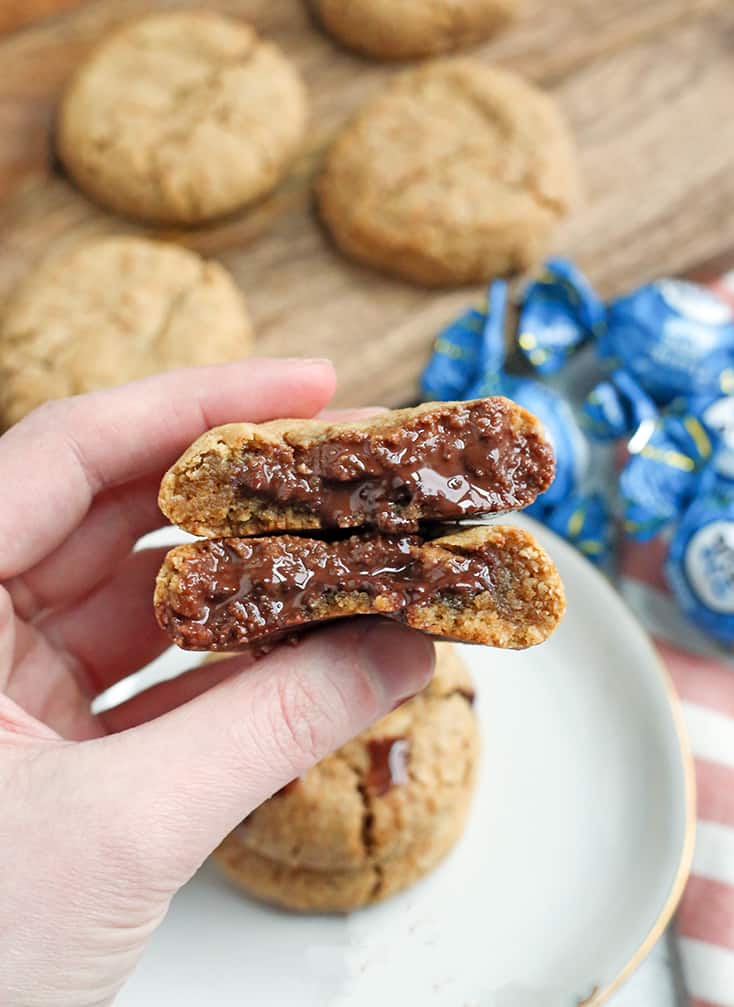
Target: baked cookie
181, 117
441, 461
490, 585
112, 310
373, 817
457, 172
387, 29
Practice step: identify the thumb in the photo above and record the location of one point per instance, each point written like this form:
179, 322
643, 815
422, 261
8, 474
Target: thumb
192, 775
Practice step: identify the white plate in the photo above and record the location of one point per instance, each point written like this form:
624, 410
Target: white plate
576, 853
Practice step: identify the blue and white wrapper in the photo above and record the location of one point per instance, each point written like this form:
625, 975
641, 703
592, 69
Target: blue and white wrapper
559, 313
674, 338
700, 563
585, 521
455, 358
617, 408
716, 412
663, 474
668, 391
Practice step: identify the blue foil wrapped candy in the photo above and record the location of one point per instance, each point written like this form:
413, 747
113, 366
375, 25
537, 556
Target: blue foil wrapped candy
690, 446
559, 313
584, 521
717, 415
617, 408
700, 564
675, 338
455, 358
672, 337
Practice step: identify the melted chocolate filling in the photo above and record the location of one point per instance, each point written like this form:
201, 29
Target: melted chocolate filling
235, 592
389, 758
440, 466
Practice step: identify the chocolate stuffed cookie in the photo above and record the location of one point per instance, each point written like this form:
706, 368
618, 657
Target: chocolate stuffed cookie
375, 496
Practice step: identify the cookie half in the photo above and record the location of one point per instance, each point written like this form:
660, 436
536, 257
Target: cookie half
181, 117
489, 585
113, 310
373, 817
436, 462
455, 173
387, 30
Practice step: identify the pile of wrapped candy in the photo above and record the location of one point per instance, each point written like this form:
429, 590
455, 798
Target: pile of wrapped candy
664, 372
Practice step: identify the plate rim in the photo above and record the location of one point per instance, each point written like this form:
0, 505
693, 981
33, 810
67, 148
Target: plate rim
680, 878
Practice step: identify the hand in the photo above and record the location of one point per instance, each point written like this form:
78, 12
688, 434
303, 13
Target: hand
103, 818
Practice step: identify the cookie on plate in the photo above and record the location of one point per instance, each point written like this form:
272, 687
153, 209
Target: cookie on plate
412, 28
112, 310
455, 173
181, 117
373, 817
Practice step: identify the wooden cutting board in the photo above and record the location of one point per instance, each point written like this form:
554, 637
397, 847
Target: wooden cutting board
646, 86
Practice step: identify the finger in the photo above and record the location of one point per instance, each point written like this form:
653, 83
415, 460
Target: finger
115, 522
220, 755
7, 637
166, 696
92, 552
60, 456
113, 631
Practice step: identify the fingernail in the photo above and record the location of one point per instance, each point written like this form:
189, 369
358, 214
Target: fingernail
401, 659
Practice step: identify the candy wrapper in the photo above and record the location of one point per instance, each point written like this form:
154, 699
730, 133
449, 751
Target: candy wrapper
585, 521
665, 362
560, 312
469, 362
617, 407
700, 564
662, 476
672, 337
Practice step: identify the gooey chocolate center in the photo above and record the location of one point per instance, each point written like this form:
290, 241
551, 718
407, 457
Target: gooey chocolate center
239, 591
439, 466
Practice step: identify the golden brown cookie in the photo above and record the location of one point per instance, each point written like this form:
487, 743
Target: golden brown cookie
373, 817
181, 117
456, 173
490, 585
112, 310
436, 462
405, 29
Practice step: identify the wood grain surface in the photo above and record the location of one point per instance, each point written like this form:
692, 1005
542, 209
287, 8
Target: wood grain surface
16, 13
647, 88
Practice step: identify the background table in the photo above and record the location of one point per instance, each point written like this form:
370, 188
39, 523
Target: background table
646, 86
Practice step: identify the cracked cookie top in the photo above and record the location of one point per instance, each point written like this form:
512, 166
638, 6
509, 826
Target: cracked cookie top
113, 310
181, 117
381, 793
455, 173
